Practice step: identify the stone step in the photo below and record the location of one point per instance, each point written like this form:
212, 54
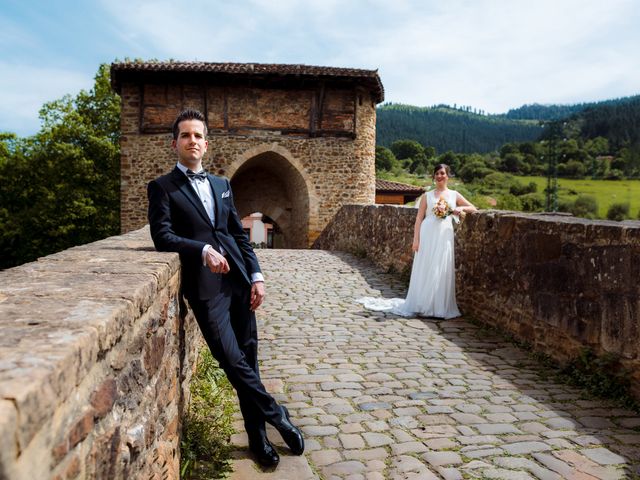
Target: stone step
291, 467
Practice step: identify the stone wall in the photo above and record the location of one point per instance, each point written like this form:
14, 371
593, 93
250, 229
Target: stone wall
94, 365
557, 282
297, 180
383, 233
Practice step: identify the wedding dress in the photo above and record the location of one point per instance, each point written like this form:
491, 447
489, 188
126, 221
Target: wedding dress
432, 291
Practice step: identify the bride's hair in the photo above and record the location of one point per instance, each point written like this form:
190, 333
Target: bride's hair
440, 166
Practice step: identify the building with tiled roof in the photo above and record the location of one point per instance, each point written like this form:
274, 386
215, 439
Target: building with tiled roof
396, 193
296, 141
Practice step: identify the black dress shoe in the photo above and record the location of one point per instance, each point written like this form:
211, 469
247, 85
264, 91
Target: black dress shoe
291, 435
263, 451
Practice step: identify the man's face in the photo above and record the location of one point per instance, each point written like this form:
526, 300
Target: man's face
191, 144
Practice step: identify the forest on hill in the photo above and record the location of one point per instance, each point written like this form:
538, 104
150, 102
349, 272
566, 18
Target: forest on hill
540, 112
446, 128
467, 130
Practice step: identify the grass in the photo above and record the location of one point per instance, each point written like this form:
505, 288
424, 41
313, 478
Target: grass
208, 423
413, 179
404, 177
606, 192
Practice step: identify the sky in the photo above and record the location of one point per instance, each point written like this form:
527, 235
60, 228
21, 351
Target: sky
492, 55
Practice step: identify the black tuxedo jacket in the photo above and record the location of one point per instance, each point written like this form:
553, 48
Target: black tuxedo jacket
179, 223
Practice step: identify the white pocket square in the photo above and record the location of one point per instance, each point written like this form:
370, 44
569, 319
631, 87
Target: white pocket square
225, 194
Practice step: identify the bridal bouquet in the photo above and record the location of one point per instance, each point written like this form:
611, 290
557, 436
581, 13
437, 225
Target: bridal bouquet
442, 209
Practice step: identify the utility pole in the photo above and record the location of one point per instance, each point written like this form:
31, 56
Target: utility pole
554, 133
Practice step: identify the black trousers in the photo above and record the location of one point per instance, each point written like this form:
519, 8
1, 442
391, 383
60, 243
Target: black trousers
229, 328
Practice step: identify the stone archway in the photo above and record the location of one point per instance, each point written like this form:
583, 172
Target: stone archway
269, 183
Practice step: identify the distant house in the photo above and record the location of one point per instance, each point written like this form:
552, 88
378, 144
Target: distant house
396, 193
258, 229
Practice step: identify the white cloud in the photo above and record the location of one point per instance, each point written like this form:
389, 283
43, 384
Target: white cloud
497, 55
490, 54
25, 88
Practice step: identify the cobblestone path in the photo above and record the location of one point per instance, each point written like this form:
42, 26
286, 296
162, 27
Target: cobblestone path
383, 397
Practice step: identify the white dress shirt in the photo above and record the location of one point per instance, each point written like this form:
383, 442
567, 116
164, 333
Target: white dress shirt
205, 194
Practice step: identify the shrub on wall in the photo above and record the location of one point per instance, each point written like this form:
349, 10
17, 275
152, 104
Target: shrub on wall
585, 206
208, 423
618, 211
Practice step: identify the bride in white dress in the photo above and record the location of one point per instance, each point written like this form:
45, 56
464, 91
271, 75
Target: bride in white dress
432, 290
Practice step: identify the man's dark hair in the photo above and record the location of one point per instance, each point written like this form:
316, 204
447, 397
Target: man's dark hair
188, 114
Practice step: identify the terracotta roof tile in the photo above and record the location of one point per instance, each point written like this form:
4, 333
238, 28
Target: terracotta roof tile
389, 186
370, 77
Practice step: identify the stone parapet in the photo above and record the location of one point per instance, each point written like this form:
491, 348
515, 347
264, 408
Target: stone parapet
383, 233
557, 282
95, 357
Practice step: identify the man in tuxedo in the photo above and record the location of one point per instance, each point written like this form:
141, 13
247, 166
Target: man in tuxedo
192, 212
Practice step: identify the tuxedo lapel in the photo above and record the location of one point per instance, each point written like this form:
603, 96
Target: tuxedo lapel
217, 190
182, 182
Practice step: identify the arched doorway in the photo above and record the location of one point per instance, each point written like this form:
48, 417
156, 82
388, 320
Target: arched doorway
270, 184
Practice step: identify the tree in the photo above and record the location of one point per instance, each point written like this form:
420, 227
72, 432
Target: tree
474, 168
403, 149
630, 161
61, 187
420, 163
513, 163
429, 152
385, 159
508, 148
451, 159
572, 169
597, 146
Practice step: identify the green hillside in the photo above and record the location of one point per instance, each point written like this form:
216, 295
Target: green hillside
446, 128
466, 130
537, 111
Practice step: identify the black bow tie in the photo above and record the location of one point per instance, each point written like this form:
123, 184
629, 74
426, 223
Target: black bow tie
201, 175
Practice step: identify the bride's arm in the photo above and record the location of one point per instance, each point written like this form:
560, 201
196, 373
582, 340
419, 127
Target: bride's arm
422, 209
463, 205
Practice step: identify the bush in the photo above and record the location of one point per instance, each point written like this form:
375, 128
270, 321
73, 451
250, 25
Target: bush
532, 202
474, 168
565, 205
572, 169
496, 180
208, 423
518, 188
585, 206
420, 170
618, 211
509, 202
513, 162
614, 174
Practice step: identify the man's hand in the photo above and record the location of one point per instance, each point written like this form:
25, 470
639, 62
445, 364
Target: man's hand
257, 295
216, 262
